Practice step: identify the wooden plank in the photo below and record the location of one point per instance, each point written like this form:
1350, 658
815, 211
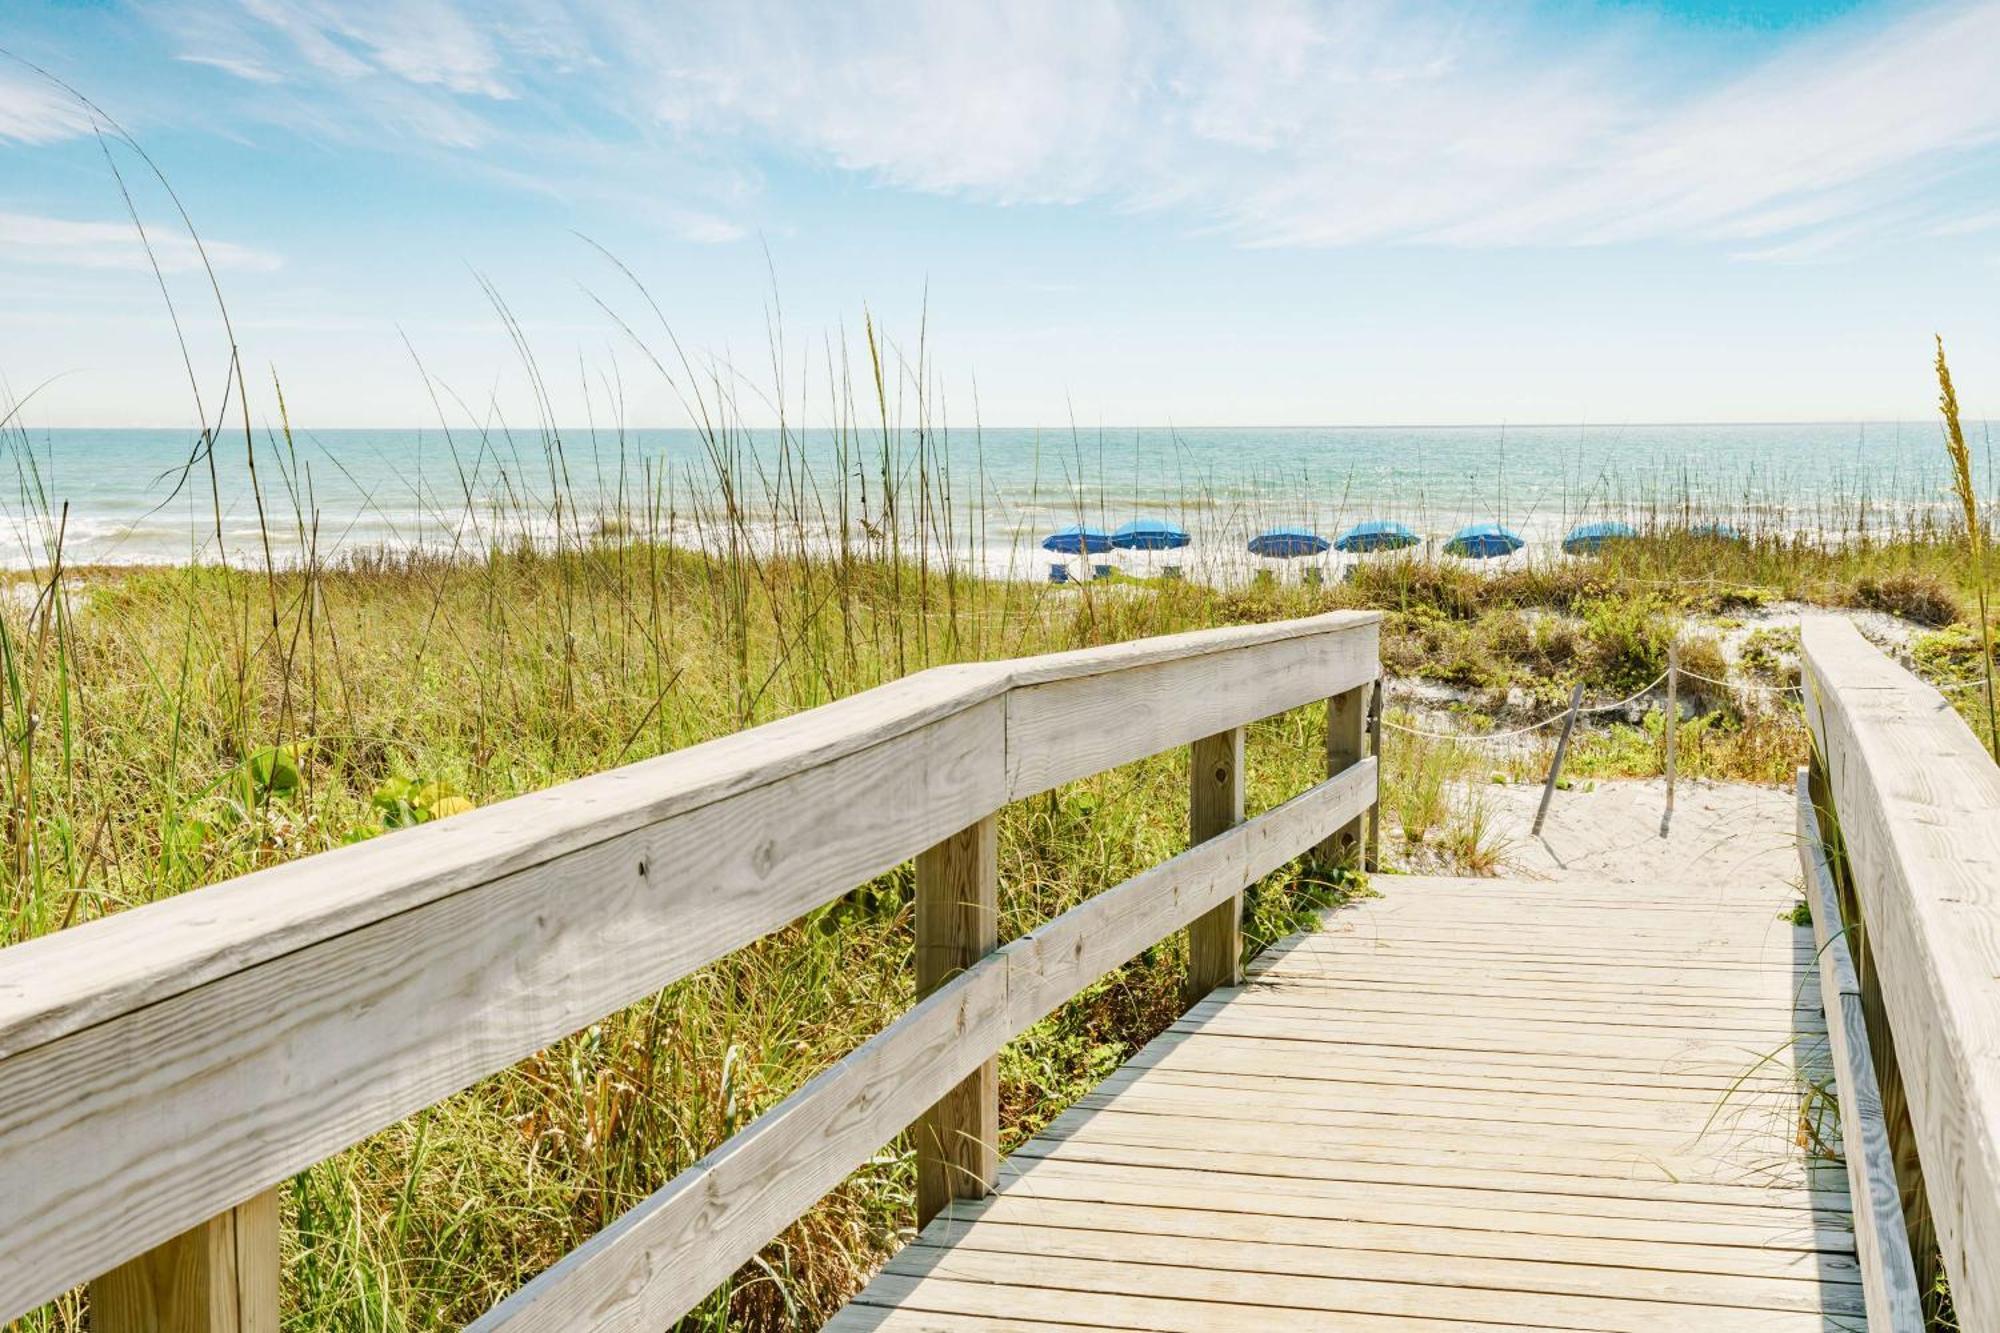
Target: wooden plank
1881, 1241
1427, 1203
219, 1277
1215, 805
1346, 745
659, 1259
1087, 721
1036, 1235
957, 924
1219, 1132
1326, 1023
1918, 803
1388, 1065
1459, 993
1361, 1236
1276, 1097
1337, 1131
920, 1302
1284, 1083
1509, 1190
1360, 1001
1268, 1300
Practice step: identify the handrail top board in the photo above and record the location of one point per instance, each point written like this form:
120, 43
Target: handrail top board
1918, 803
59, 984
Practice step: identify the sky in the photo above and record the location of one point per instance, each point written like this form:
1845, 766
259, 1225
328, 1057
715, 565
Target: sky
1098, 211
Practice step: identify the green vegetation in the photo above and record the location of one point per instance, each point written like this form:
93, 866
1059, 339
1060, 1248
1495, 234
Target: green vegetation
170, 728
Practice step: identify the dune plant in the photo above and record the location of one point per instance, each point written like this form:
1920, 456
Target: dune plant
1975, 531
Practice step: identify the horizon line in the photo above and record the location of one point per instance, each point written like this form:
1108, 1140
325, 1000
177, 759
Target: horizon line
1066, 428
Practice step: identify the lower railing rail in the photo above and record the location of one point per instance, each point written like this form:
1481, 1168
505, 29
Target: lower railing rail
1881, 1238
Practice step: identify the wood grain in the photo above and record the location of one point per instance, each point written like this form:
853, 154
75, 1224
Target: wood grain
1346, 745
1215, 805
1918, 804
1881, 1240
1574, 1145
160, 1064
657, 1261
219, 1277
957, 924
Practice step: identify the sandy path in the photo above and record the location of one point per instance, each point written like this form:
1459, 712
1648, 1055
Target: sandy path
1724, 832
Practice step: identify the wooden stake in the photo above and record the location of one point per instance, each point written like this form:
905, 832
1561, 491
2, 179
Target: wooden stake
1673, 727
1556, 766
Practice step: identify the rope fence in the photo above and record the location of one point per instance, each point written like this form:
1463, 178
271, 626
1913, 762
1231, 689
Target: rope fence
1532, 726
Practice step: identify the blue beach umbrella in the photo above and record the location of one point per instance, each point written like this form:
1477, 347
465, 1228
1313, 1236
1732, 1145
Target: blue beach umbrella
1284, 543
1149, 534
1483, 541
1379, 534
1590, 538
1076, 539
1720, 532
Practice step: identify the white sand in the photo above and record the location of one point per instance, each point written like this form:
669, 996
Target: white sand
1722, 832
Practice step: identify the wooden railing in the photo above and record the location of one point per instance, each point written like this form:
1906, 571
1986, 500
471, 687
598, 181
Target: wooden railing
1900, 825
163, 1070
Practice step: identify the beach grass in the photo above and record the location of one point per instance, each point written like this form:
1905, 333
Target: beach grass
167, 728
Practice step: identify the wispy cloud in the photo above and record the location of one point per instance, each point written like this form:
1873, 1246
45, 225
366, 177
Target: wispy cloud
1288, 123
34, 111
117, 245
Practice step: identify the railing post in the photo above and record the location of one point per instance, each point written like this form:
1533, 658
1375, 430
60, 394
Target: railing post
1673, 728
1347, 724
1371, 859
958, 923
1215, 804
221, 1277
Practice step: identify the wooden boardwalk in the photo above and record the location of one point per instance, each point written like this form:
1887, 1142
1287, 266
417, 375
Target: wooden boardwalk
1464, 1102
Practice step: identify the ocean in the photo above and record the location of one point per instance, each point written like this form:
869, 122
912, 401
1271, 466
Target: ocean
154, 496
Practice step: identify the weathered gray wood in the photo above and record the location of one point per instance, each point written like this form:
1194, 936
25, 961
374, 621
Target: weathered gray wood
1346, 744
157, 951
1051, 964
159, 1064
1283, 1158
1372, 860
957, 924
1215, 805
162, 1115
1881, 1242
1918, 804
1063, 729
657, 1261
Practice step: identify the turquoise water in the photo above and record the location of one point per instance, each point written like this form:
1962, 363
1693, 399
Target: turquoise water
134, 496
